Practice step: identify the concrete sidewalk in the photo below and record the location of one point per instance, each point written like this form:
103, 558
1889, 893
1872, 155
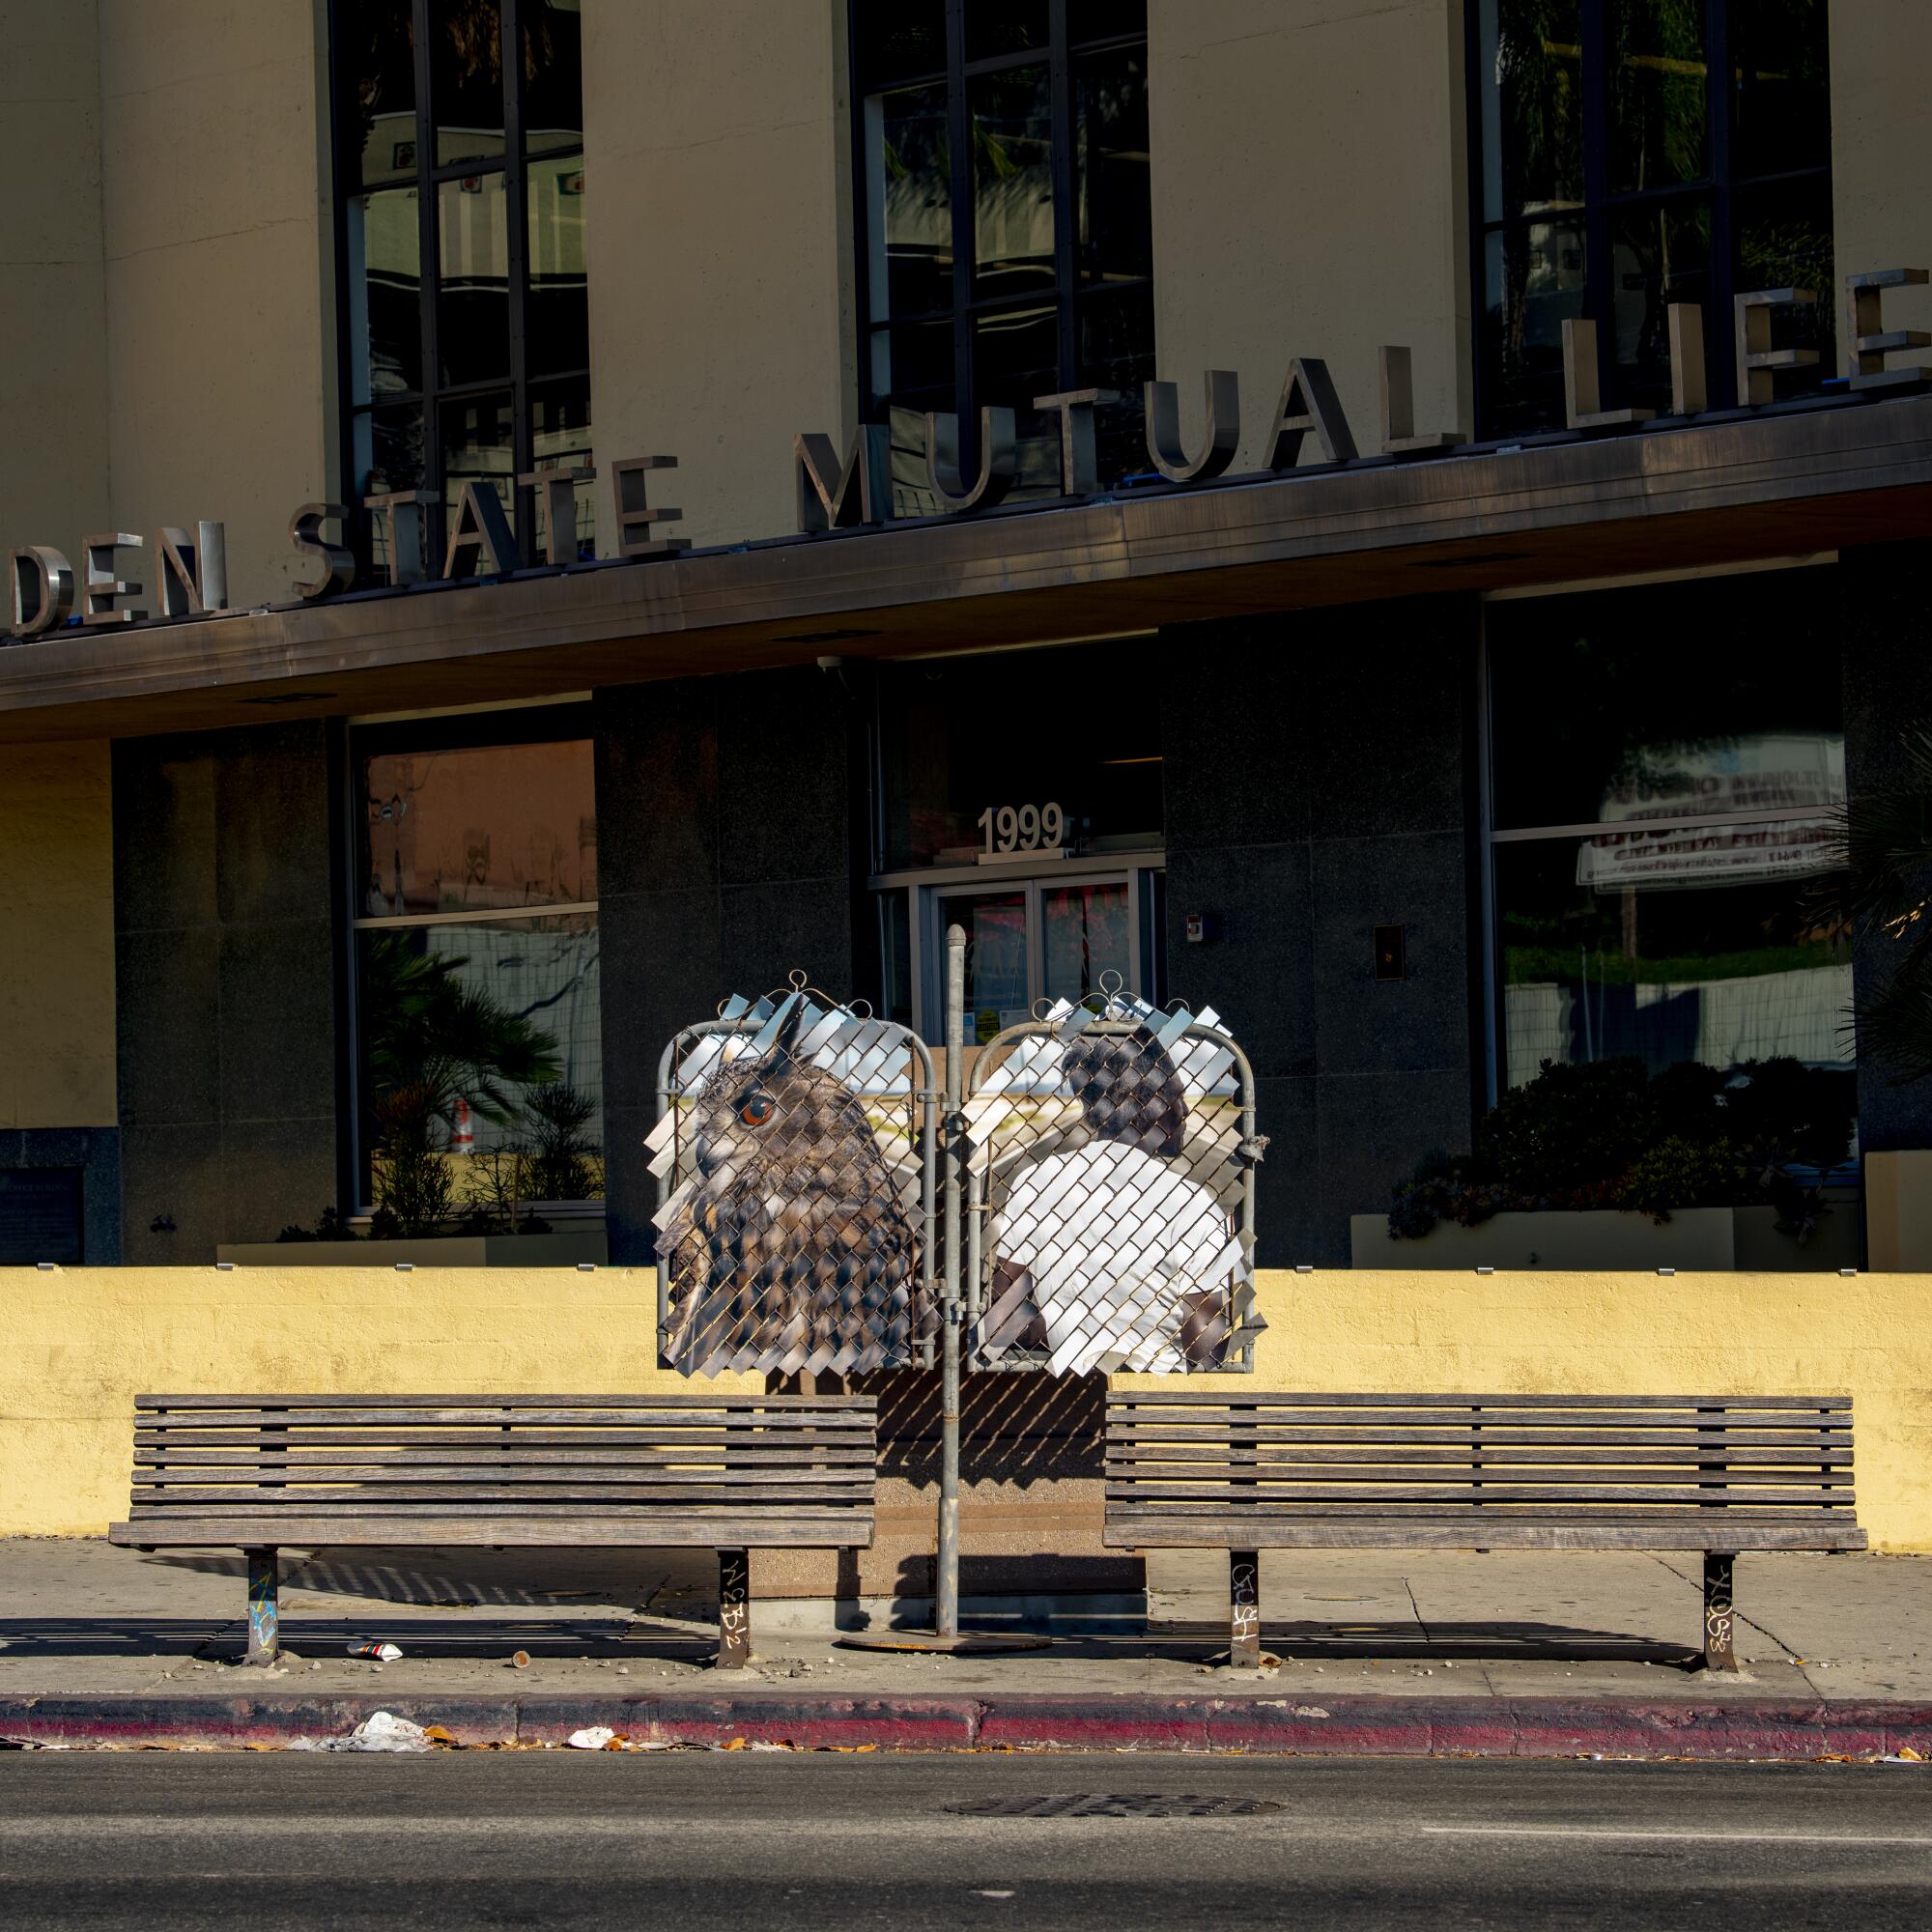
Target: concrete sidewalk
1498, 1639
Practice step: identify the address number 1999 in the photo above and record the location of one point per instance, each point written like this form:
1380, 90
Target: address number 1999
1024, 827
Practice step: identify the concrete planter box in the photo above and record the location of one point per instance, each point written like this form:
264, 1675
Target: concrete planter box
562, 1248
1717, 1240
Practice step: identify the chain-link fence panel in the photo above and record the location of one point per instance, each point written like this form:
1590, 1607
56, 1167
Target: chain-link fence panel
1110, 1193
796, 1155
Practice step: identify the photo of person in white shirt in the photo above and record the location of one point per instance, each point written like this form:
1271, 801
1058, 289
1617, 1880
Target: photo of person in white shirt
1127, 1259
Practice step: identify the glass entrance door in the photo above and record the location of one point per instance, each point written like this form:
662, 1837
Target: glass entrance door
1039, 939
999, 962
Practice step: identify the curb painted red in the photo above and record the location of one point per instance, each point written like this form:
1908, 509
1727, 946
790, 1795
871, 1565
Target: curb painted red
1350, 1726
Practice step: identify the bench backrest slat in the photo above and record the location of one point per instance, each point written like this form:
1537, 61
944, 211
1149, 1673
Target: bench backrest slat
268, 1456
1588, 1458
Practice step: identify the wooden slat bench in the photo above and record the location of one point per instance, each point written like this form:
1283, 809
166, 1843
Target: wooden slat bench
1248, 1473
724, 1472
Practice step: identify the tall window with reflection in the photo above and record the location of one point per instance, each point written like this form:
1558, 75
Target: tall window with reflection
1631, 153
1662, 818
1008, 249
476, 961
459, 140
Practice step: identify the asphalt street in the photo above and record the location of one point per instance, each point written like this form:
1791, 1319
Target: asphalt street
171, 1841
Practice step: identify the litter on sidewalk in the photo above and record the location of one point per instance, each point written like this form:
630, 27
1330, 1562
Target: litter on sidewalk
379, 1731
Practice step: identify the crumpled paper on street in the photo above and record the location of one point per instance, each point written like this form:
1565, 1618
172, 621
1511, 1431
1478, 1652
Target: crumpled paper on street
379, 1731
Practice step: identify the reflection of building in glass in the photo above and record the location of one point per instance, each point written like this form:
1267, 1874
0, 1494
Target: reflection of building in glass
1693, 941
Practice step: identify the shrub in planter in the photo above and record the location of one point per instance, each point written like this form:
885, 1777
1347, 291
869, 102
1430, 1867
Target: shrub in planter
413, 1187
1610, 1134
563, 1164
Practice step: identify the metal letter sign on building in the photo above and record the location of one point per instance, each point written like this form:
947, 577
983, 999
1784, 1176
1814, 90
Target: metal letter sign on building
1106, 1161
833, 498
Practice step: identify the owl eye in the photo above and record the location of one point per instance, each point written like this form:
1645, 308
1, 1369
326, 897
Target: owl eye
756, 1110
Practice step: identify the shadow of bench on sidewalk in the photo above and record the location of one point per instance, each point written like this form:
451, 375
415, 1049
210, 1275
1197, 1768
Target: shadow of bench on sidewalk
488, 1638
1486, 1642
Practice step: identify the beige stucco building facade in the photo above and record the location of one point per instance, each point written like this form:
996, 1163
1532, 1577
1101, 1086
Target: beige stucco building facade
169, 351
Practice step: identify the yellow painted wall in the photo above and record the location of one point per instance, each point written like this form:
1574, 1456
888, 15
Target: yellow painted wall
1309, 200
1514, 1333
82, 1343
56, 937
1881, 151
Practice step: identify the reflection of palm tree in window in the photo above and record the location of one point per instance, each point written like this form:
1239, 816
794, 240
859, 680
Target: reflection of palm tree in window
431, 1036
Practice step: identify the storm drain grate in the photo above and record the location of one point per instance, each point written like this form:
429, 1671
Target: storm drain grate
1115, 1805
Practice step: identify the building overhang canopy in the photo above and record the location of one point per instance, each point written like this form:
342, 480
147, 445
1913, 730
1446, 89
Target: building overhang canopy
1744, 486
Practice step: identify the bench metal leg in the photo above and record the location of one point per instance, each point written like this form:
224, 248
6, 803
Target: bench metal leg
735, 1610
1717, 1613
1244, 1609
265, 1614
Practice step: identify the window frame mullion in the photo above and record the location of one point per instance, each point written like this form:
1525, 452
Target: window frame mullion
1720, 349
959, 136
1598, 289
516, 223
427, 268
1060, 82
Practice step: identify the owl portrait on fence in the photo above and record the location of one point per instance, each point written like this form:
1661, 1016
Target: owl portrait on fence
793, 1252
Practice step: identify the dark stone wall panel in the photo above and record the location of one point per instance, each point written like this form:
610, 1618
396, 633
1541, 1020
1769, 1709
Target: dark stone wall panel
1374, 1129
629, 1187
657, 787
782, 776
274, 1173
663, 969
1395, 683
276, 986
164, 834
1238, 734
1288, 1185
1319, 784
272, 827
96, 1153
803, 924
1258, 972
1364, 1025
167, 1018
173, 1175
724, 828
226, 987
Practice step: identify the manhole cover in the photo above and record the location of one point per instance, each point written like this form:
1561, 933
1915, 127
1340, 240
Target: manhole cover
1115, 1805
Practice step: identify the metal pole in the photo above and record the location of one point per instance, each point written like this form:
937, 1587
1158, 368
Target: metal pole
945, 1609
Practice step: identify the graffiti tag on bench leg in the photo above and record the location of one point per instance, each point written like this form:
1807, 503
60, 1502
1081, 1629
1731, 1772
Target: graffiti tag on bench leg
1718, 1611
734, 1606
264, 1607
1245, 1609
